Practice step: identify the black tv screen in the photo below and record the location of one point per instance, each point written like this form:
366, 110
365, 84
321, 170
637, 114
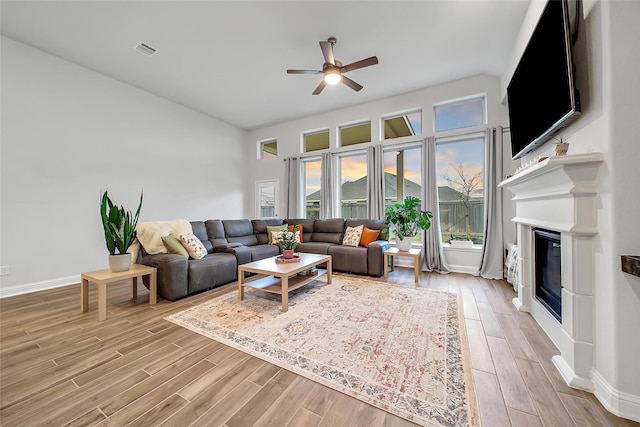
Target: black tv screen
542, 96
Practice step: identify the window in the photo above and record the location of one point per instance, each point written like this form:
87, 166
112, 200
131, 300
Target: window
459, 114
311, 179
355, 134
314, 141
407, 124
460, 166
268, 149
353, 185
403, 175
267, 199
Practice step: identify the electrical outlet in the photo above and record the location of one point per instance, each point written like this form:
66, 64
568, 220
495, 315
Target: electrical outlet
4, 270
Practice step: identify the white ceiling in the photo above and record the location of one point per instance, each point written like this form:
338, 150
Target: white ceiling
228, 59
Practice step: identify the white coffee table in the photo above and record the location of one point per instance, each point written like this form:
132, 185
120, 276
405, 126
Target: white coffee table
281, 278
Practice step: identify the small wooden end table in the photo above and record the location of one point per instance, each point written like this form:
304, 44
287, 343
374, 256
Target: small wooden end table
282, 278
416, 254
103, 277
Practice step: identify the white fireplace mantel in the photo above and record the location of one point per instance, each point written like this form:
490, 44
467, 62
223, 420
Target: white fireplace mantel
559, 194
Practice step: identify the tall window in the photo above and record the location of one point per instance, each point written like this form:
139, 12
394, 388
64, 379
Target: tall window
353, 185
403, 175
312, 181
460, 165
406, 124
316, 140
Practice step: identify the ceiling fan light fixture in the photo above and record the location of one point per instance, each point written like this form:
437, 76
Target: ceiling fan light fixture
332, 78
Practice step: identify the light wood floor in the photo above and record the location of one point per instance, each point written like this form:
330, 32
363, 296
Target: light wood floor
62, 367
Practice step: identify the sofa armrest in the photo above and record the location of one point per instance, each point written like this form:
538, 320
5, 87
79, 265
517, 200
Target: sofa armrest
375, 257
172, 274
242, 253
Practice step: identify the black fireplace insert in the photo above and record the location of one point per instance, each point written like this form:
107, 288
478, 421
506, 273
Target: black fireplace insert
548, 270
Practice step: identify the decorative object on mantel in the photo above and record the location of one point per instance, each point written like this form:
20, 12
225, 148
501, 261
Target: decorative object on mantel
631, 264
407, 219
562, 146
119, 232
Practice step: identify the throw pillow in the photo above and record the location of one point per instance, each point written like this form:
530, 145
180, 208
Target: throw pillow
298, 227
275, 228
275, 235
174, 246
352, 236
368, 236
193, 245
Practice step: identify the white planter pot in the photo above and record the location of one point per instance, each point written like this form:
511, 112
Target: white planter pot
120, 262
405, 244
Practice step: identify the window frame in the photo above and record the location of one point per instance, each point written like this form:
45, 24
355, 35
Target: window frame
400, 114
305, 134
355, 145
261, 149
460, 101
303, 190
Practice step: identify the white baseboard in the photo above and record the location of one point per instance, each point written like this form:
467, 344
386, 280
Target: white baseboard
26, 288
622, 404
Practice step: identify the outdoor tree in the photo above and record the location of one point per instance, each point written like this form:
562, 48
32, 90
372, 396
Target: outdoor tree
467, 184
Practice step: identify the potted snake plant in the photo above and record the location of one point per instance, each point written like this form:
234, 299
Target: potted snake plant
119, 226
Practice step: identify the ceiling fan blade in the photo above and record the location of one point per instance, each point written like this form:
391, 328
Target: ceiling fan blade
327, 51
360, 64
320, 87
353, 85
304, 72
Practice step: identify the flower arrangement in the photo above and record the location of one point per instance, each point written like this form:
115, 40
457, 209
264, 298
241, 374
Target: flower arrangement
288, 238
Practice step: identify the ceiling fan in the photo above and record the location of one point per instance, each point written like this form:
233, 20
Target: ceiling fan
333, 69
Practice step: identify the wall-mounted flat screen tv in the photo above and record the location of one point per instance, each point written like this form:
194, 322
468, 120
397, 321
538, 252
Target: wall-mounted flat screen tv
542, 95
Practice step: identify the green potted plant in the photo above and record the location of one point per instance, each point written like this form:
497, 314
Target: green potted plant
288, 241
119, 231
406, 219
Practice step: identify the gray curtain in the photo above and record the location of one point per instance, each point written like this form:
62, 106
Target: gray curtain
492, 266
292, 177
326, 187
375, 182
433, 252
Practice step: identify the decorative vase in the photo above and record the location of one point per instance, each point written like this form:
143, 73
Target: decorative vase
287, 253
405, 244
120, 262
562, 148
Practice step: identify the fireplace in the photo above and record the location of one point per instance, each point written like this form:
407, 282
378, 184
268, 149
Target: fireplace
548, 270
556, 268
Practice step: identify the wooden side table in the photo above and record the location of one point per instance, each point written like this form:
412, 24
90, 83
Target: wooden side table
416, 254
103, 277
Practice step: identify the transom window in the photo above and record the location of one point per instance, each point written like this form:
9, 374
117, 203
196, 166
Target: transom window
459, 114
268, 149
405, 124
355, 134
316, 140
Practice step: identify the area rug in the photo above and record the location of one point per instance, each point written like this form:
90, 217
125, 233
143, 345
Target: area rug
399, 348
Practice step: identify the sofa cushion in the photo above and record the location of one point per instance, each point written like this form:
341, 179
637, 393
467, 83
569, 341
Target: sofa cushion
321, 248
275, 229
352, 236
200, 231
193, 245
215, 232
350, 259
260, 228
373, 224
368, 236
174, 246
307, 227
239, 231
213, 270
263, 251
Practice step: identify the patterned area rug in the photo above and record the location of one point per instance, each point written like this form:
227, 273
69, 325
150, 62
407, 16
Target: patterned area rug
401, 349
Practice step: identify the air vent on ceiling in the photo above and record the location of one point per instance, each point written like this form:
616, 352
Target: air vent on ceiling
145, 48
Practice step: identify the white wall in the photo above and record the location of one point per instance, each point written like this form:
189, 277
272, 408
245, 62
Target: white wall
607, 56
289, 134
68, 134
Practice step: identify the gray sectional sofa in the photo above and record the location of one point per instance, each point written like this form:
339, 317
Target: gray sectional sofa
230, 243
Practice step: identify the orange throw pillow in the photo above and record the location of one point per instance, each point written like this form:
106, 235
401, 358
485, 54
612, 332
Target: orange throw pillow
298, 227
368, 236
